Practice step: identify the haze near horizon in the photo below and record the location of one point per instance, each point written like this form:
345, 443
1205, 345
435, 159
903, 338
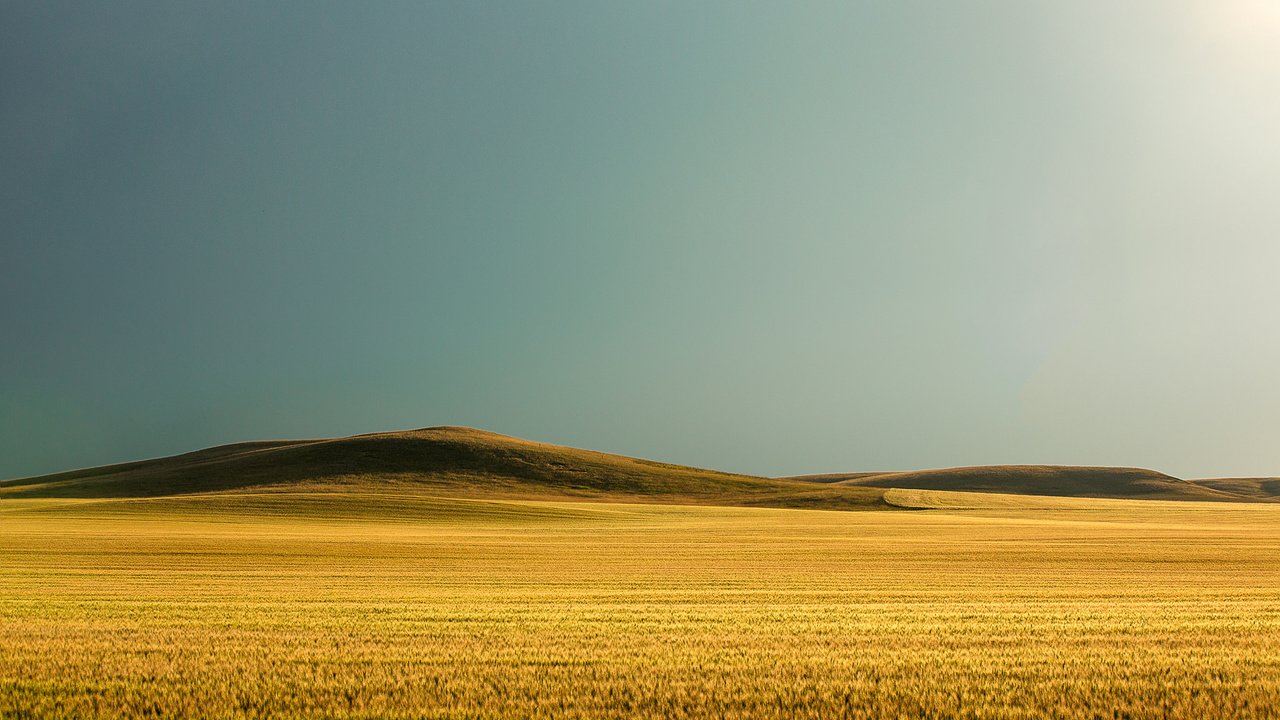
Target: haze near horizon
773, 239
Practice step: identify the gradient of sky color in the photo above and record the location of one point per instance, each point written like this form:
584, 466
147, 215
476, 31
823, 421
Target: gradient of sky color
774, 237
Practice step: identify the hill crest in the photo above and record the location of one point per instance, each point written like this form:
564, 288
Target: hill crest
445, 460
467, 462
1048, 480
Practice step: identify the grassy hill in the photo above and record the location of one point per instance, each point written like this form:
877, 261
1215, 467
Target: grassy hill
1262, 488
1066, 481
833, 478
464, 462
442, 461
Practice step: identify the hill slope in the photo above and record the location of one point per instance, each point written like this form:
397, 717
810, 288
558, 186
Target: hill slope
449, 461
1263, 488
1058, 480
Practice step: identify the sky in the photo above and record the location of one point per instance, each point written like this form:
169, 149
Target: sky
774, 238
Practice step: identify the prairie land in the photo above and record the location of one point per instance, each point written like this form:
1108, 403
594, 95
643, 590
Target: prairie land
384, 605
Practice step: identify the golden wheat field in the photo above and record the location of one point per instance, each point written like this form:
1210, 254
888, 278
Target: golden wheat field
376, 606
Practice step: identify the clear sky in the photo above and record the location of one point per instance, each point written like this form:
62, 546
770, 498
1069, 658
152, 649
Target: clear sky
775, 237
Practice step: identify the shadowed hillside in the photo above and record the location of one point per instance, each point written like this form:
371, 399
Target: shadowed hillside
1066, 481
1263, 488
441, 461
834, 478
463, 462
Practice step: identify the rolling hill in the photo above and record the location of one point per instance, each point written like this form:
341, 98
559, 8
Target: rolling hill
1257, 487
438, 461
463, 462
1056, 480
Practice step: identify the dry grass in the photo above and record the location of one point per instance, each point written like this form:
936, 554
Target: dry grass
1050, 480
454, 461
1259, 487
367, 606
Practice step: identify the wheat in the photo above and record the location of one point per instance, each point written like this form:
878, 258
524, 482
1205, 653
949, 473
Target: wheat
255, 606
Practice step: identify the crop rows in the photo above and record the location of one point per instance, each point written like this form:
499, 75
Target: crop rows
1139, 610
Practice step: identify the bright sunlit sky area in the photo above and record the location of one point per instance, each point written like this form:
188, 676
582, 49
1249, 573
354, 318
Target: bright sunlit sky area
775, 238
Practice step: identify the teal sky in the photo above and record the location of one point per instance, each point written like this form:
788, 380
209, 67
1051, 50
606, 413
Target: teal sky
768, 237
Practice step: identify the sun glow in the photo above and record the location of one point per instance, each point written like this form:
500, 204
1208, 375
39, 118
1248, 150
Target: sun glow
1248, 27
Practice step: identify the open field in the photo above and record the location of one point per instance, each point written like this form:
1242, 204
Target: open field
373, 605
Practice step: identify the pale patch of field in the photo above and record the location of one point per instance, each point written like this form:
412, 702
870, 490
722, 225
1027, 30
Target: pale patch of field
965, 500
961, 500
406, 607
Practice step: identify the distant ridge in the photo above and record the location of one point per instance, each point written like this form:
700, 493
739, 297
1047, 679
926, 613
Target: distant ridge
1057, 480
1256, 487
450, 461
465, 462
